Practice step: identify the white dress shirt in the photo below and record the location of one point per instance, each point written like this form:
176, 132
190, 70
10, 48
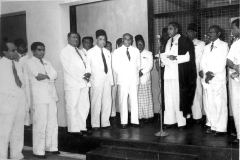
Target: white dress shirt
146, 66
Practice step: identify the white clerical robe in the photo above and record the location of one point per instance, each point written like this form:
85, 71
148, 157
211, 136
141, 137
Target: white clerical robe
215, 93
12, 110
128, 80
45, 127
198, 98
101, 82
76, 88
234, 86
172, 113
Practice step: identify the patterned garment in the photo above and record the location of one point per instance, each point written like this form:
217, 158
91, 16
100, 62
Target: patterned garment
145, 101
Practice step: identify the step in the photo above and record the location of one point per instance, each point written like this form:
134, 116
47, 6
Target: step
117, 153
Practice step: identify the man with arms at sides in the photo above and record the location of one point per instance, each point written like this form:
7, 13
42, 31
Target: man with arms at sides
213, 74
12, 100
126, 64
75, 85
42, 77
199, 47
179, 77
233, 62
100, 68
145, 99
23, 58
86, 42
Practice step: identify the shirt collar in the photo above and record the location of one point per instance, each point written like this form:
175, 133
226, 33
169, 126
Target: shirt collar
176, 37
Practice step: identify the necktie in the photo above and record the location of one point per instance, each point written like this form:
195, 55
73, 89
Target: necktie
17, 80
41, 61
128, 55
80, 56
212, 46
171, 43
104, 63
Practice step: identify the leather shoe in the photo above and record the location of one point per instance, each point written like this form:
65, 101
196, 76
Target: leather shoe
236, 141
209, 131
136, 125
40, 156
53, 152
219, 134
182, 128
108, 127
123, 126
95, 128
87, 132
167, 126
76, 133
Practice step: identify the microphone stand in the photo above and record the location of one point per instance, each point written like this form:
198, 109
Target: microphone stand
161, 133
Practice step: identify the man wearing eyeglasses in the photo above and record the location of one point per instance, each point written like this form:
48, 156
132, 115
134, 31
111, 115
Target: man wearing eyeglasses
213, 74
42, 77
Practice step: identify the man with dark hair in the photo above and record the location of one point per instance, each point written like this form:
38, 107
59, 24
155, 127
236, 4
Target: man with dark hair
233, 62
145, 97
100, 68
91, 39
126, 64
213, 74
109, 46
119, 43
87, 44
75, 85
179, 77
42, 77
199, 47
12, 100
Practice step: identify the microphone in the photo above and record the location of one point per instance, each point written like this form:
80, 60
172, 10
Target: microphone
158, 38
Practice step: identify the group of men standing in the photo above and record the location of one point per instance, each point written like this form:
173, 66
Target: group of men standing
195, 78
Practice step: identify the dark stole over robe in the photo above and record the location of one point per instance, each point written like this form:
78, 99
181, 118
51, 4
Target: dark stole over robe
187, 75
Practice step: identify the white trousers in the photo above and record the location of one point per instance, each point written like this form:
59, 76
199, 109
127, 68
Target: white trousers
77, 109
234, 89
215, 105
198, 101
101, 101
130, 91
172, 113
12, 130
114, 100
45, 128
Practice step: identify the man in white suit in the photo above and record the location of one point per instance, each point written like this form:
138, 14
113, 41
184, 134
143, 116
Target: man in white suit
42, 77
213, 74
99, 66
145, 98
75, 85
12, 100
199, 47
126, 64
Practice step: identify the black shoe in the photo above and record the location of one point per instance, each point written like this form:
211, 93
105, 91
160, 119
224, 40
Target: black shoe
149, 120
198, 121
123, 126
108, 127
76, 133
166, 126
95, 128
40, 156
216, 134
182, 128
136, 125
236, 141
53, 152
87, 132
209, 130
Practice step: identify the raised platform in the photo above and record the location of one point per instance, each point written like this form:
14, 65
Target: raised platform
141, 143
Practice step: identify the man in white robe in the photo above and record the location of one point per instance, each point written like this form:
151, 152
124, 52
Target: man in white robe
12, 100
126, 63
42, 77
100, 67
213, 74
233, 62
198, 46
76, 85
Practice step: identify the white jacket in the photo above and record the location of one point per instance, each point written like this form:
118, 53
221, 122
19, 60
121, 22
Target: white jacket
73, 68
127, 71
96, 68
42, 91
146, 66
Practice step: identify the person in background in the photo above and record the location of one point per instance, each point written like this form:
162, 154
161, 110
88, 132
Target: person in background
45, 127
145, 97
119, 43
233, 62
199, 47
91, 39
179, 77
75, 85
100, 67
213, 74
126, 64
86, 44
12, 100
22, 50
